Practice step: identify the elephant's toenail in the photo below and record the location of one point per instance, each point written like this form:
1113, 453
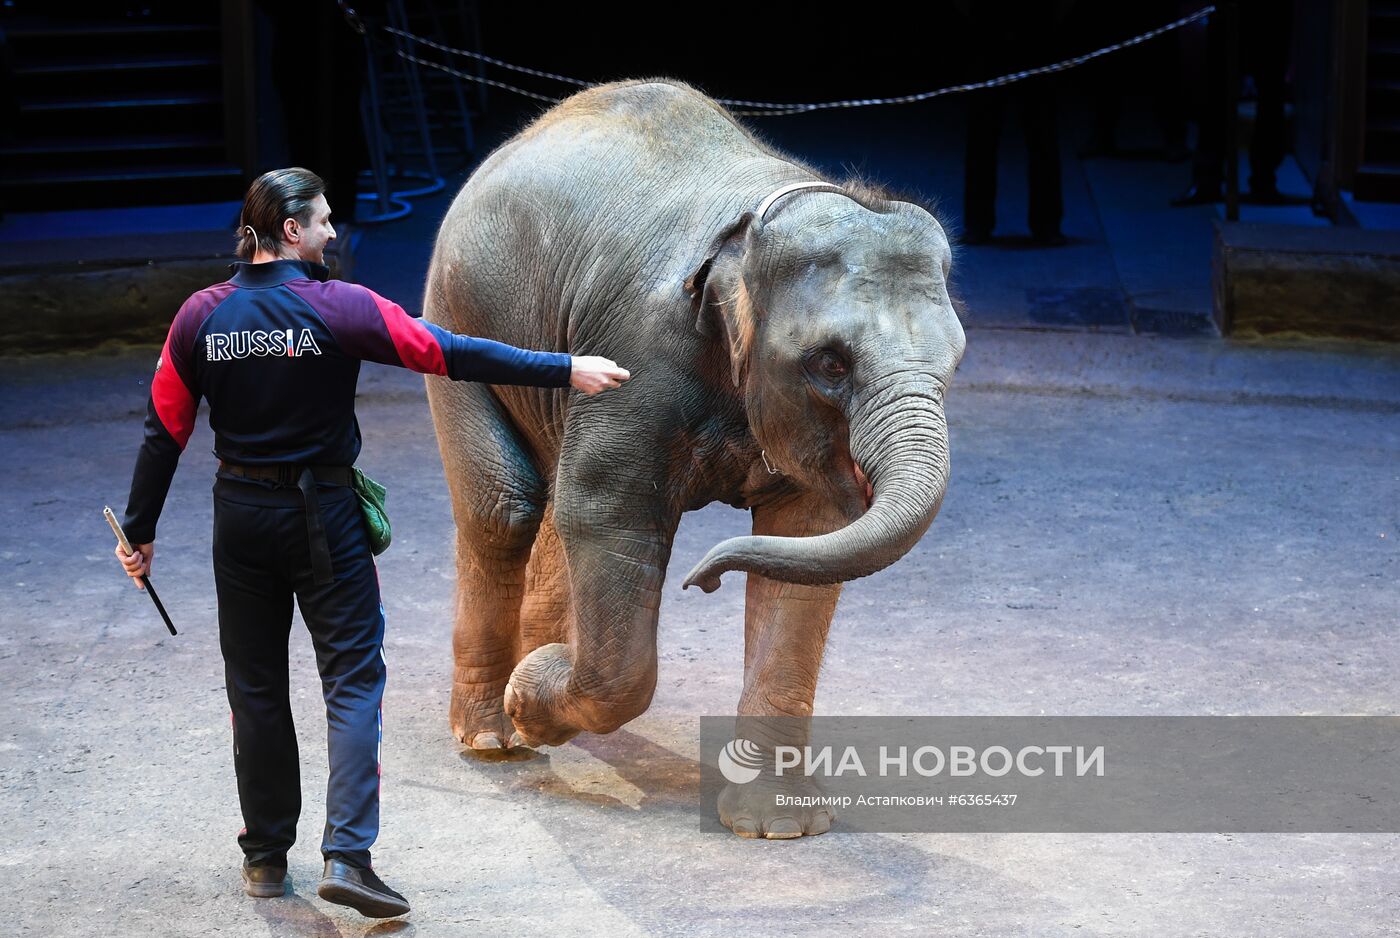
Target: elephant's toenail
783, 827
487, 740
745, 827
821, 822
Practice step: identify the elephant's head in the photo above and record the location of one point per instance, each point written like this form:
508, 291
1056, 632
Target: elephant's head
842, 339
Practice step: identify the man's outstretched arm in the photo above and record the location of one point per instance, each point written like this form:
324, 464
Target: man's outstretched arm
372, 328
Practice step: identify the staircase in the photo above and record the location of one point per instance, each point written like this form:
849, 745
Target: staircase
1378, 177
115, 108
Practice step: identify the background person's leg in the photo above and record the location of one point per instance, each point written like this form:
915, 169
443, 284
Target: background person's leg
1208, 165
1266, 43
255, 616
1041, 123
984, 116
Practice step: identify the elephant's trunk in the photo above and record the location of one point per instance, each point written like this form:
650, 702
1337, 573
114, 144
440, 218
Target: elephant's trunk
899, 437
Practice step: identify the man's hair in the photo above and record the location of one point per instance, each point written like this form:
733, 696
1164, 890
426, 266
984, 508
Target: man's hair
272, 198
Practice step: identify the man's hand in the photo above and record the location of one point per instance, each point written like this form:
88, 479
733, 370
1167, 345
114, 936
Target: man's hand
593, 373
138, 563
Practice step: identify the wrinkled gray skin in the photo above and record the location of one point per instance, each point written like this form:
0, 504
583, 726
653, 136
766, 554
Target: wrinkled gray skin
822, 341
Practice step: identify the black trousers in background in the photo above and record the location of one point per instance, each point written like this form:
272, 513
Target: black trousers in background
1265, 37
1006, 36
1035, 99
261, 563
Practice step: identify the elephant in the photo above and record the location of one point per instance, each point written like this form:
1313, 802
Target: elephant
791, 341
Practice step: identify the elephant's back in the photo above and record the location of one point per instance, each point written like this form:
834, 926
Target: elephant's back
640, 136
614, 190
597, 211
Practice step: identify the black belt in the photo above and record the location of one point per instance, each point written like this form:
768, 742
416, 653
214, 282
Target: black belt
290, 474
304, 478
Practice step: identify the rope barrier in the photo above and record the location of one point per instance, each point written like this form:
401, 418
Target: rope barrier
780, 109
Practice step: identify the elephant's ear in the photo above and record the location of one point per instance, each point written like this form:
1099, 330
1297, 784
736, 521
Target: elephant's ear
720, 299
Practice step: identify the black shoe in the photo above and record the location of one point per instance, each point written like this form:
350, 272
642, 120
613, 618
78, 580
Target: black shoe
265, 881
1199, 193
360, 889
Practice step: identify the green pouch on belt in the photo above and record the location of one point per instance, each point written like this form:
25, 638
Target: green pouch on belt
372, 506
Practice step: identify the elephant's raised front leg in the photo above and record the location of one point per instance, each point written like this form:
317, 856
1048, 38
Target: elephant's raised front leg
785, 628
616, 529
497, 503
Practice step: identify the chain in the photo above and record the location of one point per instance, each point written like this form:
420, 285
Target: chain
775, 109
490, 61
779, 109
352, 19
477, 78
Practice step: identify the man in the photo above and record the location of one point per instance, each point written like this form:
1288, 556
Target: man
1003, 37
277, 351
1263, 48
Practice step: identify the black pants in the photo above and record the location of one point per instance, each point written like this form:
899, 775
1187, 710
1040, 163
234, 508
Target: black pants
261, 561
1265, 36
1005, 36
1036, 100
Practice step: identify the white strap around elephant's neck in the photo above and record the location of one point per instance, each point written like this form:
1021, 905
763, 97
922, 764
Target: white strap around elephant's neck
767, 203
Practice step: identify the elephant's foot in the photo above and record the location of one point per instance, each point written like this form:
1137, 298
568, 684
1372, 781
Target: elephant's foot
536, 697
479, 718
752, 809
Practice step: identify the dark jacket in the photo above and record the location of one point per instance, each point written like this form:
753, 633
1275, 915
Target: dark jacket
277, 352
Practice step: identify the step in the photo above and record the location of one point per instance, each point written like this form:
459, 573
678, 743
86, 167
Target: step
76, 40
122, 100
71, 177
21, 31
123, 63
1382, 141
110, 153
83, 187
1382, 25
207, 118
101, 145
1382, 127
1377, 182
1271, 279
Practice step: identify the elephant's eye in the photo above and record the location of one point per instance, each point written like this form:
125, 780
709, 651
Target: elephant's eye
831, 365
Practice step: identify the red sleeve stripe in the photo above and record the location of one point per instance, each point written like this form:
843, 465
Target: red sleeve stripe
175, 405
417, 347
